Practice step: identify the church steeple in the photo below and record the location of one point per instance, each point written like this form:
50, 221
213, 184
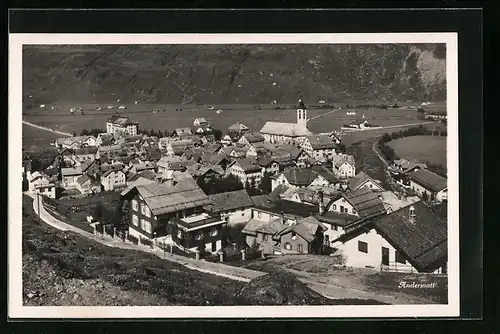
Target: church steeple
301, 114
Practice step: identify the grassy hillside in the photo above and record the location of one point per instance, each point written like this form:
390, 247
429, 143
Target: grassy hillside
233, 73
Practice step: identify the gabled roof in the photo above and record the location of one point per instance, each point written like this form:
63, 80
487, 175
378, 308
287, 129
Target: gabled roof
277, 192
300, 176
423, 242
253, 137
265, 161
238, 127
365, 202
306, 228
289, 207
263, 226
183, 131
429, 180
202, 170
259, 200
171, 197
248, 165
201, 120
326, 173
233, 200
84, 178
285, 129
395, 202
339, 219
339, 159
321, 142
360, 179
71, 171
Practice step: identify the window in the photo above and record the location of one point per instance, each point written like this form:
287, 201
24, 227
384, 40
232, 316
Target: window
213, 232
147, 212
288, 246
326, 240
259, 214
299, 248
354, 212
342, 209
145, 225
135, 205
400, 258
334, 206
294, 235
265, 237
335, 228
198, 236
135, 220
363, 247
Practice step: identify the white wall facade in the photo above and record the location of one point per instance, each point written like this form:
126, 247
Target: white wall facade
345, 170
342, 206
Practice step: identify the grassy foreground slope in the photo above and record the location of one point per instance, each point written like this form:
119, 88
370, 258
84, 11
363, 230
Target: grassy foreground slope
233, 73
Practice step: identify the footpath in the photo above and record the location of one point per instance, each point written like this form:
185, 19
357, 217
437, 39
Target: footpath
235, 273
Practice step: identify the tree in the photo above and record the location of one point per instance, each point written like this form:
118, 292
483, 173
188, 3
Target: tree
266, 184
98, 212
84, 132
121, 215
74, 134
217, 134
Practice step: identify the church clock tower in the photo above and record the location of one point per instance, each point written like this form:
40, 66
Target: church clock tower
301, 114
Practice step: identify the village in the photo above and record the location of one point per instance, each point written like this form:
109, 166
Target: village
277, 191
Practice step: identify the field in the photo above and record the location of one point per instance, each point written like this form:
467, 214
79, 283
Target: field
173, 116
430, 149
34, 138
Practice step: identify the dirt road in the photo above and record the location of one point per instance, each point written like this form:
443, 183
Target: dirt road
48, 129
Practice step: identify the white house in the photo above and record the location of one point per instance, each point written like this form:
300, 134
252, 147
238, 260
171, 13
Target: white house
87, 185
250, 138
344, 166
305, 177
113, 179
427, 184
362, 203
319, 147
234, 206
121, 125
41, 184
200, 122
70, 177
245, 170
411, 239
363, 180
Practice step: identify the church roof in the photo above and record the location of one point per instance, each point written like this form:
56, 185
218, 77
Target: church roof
285, 129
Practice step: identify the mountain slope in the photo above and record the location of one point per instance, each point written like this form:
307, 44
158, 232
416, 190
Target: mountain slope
234, 73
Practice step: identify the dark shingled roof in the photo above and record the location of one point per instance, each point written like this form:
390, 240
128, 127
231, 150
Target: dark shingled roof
423, 242
360, 179
321, 142
429, 180
365, 202
253, 137
259, 200
306, 228
335, 218
238, 199
263, 226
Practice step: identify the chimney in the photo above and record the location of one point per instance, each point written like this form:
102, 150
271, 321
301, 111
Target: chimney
321, 199
412, 215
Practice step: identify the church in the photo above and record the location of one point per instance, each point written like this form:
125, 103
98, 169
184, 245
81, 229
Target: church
289, 133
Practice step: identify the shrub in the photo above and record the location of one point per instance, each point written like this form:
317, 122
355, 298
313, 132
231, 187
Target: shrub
133, 239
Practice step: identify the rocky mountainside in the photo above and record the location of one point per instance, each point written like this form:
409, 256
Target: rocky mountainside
234, 73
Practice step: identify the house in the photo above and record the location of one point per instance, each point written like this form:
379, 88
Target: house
305, 237
234, 206
70, 177
270, 166
69, 143
181, 132
305, 177
411, 239
209, 172
238, 128
88, 184
174, 208
178, 147
362, 203
251, 138
113, 179
344, 166
363, 180
289, 212
429, 185
319, 147
121, 125
83, 154
171, 162
246, 170
200, 122
163, 142
238, 151
393, 202
230, 138
401, 168
277, 132
40, 183
259, 234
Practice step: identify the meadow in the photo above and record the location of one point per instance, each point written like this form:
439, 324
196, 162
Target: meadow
170, 117
34, 138
430, 149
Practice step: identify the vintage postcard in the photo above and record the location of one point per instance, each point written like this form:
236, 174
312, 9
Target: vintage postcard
284, 175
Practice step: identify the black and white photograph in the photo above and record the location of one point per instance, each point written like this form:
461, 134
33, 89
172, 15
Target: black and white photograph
277, 174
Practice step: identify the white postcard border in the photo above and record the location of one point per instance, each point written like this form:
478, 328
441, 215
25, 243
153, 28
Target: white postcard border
15, 306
